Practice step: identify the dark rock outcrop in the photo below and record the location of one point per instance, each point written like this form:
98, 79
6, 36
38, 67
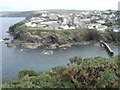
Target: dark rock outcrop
39, 38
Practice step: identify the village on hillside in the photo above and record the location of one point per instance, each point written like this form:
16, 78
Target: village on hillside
98, 20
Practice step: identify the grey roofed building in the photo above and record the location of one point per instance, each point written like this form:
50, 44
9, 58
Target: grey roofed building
81, 24
53, 26
53, 17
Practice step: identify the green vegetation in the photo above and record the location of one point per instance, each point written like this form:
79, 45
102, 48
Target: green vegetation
17, 26
95, 72
29, 14
26, 14
108, 24
79, 34
27, 72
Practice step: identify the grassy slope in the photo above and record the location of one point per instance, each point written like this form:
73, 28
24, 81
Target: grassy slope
32, 13
65, 33
85, 34
79, 73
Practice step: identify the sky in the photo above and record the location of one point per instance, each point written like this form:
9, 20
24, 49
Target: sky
28, 5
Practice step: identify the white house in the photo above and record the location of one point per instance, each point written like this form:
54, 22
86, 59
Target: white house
92, 26
100, 21
76, 20
99, 27
86, 20
44, 15
48, 22
67, 27
81, 24
53, 17
116, 30
33, 25
37, 19
102, 28
30, 24
64, 27
65, 21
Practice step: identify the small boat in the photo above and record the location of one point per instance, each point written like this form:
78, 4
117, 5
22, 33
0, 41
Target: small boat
63, 48
53, 46
6, 38
48, 52
1, 40
7, 31
6, 42
10, 44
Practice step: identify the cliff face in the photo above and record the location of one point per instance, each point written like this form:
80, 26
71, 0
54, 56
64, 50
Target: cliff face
42, 37
39, 38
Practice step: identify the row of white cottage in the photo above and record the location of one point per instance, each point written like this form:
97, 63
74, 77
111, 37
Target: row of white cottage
56, 25
49, 25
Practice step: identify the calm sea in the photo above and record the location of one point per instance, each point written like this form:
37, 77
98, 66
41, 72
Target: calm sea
14, 60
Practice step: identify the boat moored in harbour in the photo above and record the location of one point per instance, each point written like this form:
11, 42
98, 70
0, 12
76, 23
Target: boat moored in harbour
48, 52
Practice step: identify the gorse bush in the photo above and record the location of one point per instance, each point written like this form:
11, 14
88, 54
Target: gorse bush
23, 73
79, 73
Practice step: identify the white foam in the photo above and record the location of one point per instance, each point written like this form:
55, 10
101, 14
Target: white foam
1, 40
21, 50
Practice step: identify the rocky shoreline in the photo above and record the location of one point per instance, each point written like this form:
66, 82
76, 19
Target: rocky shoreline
50, 46
52, 40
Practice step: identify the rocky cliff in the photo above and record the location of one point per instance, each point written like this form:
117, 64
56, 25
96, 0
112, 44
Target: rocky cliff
36, 38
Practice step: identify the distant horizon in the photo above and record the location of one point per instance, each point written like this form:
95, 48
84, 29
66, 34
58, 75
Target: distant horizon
25, 5
58, 9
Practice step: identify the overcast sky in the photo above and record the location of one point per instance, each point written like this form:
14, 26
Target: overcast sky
27, 5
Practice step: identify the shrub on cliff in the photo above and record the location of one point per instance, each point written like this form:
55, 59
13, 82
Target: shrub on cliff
79, 73
23, 73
